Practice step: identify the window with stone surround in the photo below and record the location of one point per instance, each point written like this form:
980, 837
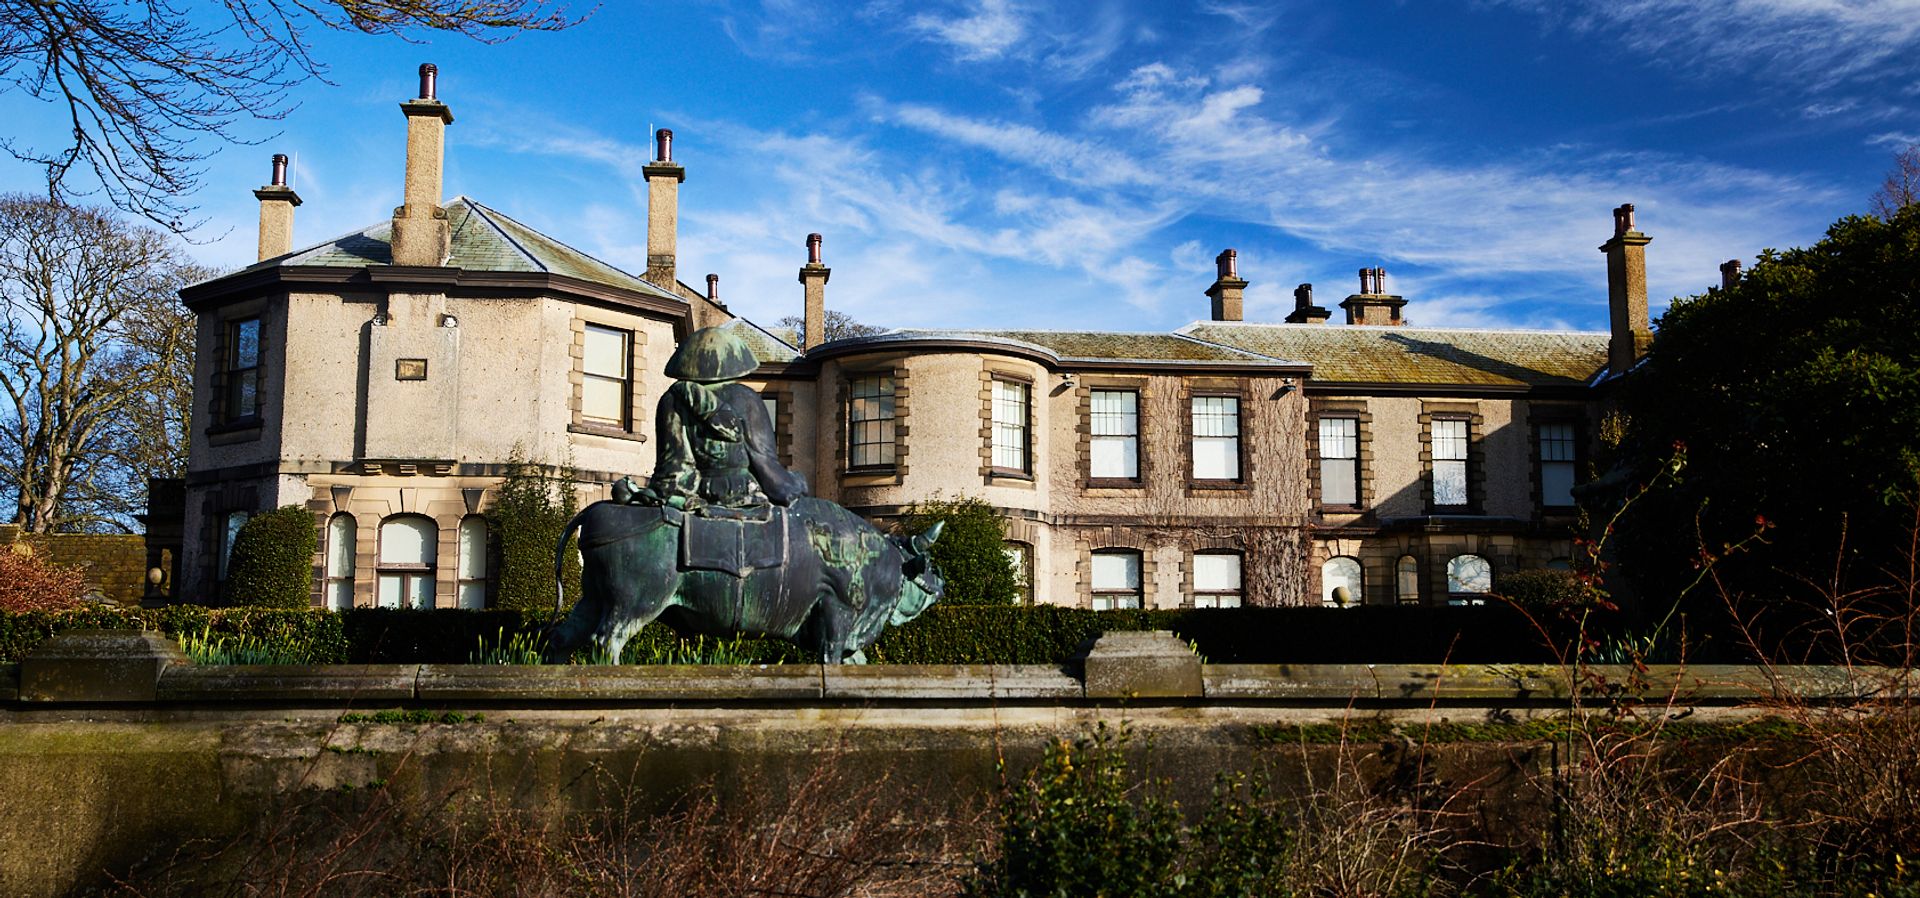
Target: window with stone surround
409, 547
1449, 448
1114, 440
1407, 580
1469, 580
241, 371
473, 569
606, 384
870, 422
1339, 461
1558, 452
1012, 426
1020, 556
1341, 577
342, 532
1216, 438
230, 524
1216, 579
1116, 579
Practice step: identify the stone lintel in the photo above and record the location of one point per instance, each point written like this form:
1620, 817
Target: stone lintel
98, 666
1142, 664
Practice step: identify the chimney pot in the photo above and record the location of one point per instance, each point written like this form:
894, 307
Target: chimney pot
279, 170
1730, 274
1227, 265
1366, 281
429, 76
1622, 219
813, 249
1380, 281
713, 288
663, 145
1303, 296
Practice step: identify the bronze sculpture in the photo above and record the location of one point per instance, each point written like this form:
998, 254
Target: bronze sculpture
724, 540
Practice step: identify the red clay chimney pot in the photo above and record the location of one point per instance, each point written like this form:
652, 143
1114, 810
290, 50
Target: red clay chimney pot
813, 249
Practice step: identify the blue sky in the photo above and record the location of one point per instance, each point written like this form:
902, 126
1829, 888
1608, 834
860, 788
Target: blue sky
997, 163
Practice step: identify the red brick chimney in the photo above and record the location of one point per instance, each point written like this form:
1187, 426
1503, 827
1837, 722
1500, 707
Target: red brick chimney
1228, 288
1626, 292
276, 212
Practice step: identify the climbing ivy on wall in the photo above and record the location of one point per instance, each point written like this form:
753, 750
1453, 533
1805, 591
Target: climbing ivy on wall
533, 508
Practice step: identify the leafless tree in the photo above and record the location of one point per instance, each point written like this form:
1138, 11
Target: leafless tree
1902, 187
837, 326
81, 292
143, 80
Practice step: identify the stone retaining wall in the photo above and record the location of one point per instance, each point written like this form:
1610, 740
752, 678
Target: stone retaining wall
112, 745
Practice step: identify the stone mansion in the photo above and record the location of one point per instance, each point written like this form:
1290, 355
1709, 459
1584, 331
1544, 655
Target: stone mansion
1227, 462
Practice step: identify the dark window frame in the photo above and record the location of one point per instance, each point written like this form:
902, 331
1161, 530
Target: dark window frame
1320, 459
1138, 593
233, 374
1096, 481
889, 425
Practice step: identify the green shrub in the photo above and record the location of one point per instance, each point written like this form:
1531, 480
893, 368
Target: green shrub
526, 520
1541, 589
272, 561
971, 553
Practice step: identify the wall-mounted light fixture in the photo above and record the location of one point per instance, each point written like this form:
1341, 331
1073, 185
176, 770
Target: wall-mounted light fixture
1069, 379
1287, 385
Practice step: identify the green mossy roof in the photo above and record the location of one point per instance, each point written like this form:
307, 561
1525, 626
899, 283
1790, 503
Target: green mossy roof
1409, 355
482, 239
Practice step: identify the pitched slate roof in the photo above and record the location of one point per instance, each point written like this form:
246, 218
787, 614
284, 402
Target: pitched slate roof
1420, 356
483, 239
1083, 346
766, 347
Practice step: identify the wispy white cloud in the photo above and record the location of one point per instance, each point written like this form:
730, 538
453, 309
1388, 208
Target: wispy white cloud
1817, 43
986, 30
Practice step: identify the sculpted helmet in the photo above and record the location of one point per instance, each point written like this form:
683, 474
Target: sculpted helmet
712, 355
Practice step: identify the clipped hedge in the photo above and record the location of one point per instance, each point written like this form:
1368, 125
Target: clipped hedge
955, 634
272, 560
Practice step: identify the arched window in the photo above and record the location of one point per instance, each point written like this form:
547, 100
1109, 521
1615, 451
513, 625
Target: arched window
1216, 580
1407, 580
230, 525
1116, 579
1340, 582
1020, 555
340, 547
473, 562
1469, 579
409, 544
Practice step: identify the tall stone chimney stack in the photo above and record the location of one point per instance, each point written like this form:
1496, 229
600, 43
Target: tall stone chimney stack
1626, 292
1730, 274
1228, 288
664, 177
276, 212
813, 280
420, 234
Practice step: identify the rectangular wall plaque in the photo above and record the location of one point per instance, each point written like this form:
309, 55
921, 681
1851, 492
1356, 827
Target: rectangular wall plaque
410, 369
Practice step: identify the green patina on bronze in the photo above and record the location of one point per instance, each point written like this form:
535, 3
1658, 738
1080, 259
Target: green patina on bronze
724, 541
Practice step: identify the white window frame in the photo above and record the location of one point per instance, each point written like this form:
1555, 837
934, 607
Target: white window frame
1113, 444
1451, 445
1340, 460
621, 381
404, 576
1216, 425
1357, 581
872, 419
1223, 587
1128, 589
1012, 430
343, 537
1559, 454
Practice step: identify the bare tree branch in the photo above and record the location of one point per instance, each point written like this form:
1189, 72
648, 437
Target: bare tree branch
143, 81
1902, 187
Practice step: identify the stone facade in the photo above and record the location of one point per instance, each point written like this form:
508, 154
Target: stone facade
1160, 469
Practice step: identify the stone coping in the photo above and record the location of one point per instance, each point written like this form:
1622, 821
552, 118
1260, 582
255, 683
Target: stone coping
1137, 668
